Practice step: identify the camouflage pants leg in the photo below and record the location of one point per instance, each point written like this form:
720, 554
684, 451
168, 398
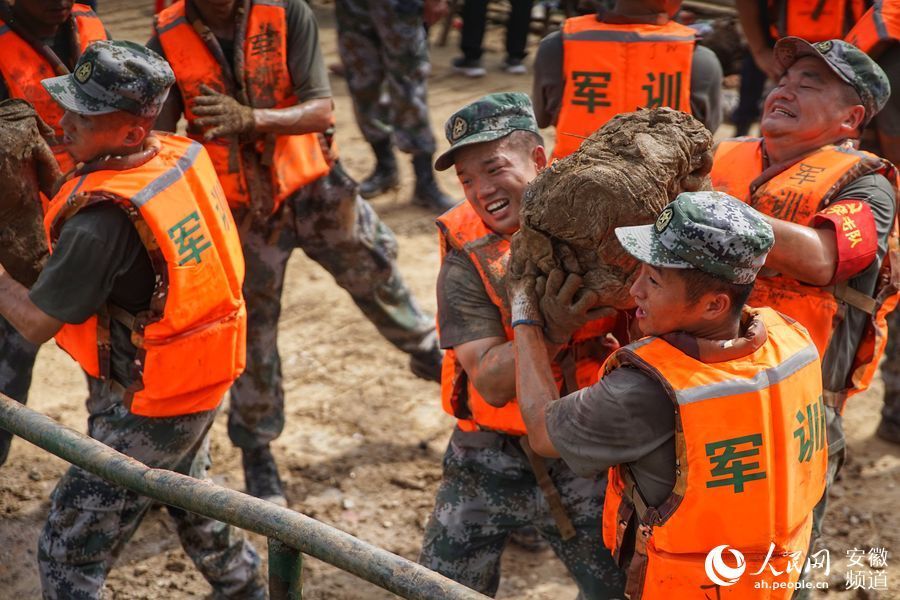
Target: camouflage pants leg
384, 42
890, 373
489, 491
340, 231
91, 520
16, 364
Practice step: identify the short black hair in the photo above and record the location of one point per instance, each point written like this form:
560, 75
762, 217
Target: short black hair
697, 283
524, 141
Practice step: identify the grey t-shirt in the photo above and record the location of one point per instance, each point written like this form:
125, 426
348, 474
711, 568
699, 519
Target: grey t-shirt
465, 311
879, 194
549, 82
304, 57
98, 259
625, 418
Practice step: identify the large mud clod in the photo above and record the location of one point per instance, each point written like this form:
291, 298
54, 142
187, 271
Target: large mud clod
624, 174
27, 167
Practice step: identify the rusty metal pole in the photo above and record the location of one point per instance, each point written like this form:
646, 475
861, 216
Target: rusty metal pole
285, 572
295, 530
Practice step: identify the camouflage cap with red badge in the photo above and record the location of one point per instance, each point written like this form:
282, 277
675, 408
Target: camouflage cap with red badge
849, 63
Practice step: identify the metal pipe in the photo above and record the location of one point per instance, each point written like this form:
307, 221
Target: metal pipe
285, 572
385, 569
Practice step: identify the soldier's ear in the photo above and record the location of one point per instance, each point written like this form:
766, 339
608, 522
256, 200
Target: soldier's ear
135, 135
539, 156
853, 120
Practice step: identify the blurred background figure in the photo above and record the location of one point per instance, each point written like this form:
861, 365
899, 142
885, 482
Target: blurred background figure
474, 15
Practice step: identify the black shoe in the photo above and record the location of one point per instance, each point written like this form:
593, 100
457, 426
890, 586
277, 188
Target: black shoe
261, 475
468, 67
427, 365
430, 196
888, 431
379, 181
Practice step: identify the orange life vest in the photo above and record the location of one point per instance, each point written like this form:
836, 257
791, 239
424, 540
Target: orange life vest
293, 160
877, 29
611, 69
191, 343
797, 194
462, 229
23, 68
750, 466
813, 20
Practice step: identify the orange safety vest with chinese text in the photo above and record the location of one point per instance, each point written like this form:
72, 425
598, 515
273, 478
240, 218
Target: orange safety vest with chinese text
191, 343
23, 68
797, 194
877, 29
813, 20
611, 69
292, 160
576, 367
751, 458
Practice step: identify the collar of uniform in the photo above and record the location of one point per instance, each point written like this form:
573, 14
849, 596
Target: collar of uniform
614, 18
150, 149
752, 336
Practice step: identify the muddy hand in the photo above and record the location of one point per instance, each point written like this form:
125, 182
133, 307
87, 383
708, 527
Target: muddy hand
221, 114
566, 305
524, 302
48, 174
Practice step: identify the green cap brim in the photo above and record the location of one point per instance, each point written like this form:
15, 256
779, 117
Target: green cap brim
446, 160
641, 242
69, 96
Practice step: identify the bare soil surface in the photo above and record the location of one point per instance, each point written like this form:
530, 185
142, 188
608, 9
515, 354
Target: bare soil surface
364, 439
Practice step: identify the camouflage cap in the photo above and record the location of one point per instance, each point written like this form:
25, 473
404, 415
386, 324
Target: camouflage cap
849, 63
489, 118
111, 76
708, 231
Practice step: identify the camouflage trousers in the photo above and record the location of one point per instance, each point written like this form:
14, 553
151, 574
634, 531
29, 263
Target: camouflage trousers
384, 48
16, 364
890, 372
339, 230
91, 520
488, 492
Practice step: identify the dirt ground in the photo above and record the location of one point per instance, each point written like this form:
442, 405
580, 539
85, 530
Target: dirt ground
364, 438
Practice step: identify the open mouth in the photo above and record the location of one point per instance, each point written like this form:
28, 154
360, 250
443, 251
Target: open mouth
496, 206
640, 313
782, 111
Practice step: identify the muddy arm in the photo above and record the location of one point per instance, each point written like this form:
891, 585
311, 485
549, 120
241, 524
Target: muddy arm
15, 305
803, 253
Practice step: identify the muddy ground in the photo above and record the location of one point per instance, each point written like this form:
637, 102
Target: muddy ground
364, 438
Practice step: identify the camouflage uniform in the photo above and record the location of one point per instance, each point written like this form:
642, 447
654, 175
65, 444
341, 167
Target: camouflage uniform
16, 363
341, 232
488, 492
91, 519
384, 41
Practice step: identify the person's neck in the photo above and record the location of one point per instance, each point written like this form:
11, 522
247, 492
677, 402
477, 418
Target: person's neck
728, 328
125, 157
635, 11
785, 151
36, 28
218, 21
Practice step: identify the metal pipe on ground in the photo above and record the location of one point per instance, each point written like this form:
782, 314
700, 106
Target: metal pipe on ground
295, 530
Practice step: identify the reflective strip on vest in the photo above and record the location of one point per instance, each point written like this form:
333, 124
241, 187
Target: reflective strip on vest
759, 382
611, 69
292, 160
877, 29
23, 68
191, 343
462, 229
797, 194
751, 456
